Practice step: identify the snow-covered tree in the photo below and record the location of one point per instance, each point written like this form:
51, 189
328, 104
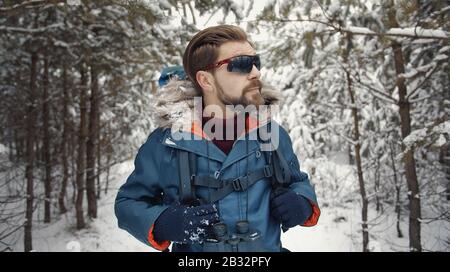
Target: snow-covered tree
387, 52
96, 64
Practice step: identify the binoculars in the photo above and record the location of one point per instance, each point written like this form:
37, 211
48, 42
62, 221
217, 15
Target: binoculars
244, 240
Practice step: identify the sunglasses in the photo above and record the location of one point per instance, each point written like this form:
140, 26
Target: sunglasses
240, 64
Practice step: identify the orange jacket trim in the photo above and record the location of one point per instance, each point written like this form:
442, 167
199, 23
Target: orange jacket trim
196, 129
312, 220
251, 124
159, 246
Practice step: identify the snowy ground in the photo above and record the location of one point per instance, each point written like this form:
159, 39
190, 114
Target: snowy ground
338, 228
102, 233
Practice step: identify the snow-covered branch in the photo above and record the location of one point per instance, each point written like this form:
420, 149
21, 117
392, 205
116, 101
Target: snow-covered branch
418, 33
432, 68
377, 93
417, 137
409, 32
27, 4
30, 30
346, 138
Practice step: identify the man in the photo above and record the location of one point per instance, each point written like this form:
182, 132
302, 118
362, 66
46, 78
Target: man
206, 181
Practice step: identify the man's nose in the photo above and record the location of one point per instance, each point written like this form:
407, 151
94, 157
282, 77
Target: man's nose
254, 73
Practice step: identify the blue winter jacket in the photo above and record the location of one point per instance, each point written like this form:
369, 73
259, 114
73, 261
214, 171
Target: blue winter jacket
154, 183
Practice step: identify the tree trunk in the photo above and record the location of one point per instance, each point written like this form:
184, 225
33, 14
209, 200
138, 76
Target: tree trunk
410, 164
74, 138
358, 160
91, 145
10, 150
379, 207
65, 139
108, 161
108, 150
28, 238
356, 139
46, 144
81, 151
351, 158
99, 158
17, 144
405, 124
444, 160
397, 193
12, 140
18, 137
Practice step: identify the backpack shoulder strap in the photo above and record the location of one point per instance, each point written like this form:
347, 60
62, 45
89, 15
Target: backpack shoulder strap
277, 163
279, 167
187, 166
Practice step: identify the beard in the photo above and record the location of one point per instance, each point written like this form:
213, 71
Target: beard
248, 97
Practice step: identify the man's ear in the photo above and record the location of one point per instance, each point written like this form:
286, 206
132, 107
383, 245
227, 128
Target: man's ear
205, 80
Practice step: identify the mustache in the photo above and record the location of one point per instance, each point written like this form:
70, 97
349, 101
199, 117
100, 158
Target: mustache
253, 84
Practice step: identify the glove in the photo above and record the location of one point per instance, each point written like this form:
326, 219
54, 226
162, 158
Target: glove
183, 224
289, 208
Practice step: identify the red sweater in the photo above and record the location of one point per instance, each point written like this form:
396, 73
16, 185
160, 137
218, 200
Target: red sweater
224, 144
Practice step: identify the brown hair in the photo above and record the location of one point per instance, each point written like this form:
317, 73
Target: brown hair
202, 50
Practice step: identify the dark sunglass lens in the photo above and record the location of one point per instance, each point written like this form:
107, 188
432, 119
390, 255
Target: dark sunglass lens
257, 62
244, 64
241, 64
247, 64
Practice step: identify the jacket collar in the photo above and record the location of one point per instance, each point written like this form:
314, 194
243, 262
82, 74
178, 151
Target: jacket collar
202, 146
174, 111
174, 104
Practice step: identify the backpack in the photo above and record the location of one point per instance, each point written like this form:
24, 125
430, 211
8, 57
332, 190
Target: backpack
169, 73
276, 169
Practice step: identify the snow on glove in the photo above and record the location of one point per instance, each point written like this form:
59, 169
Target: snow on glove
289, 208
183, 224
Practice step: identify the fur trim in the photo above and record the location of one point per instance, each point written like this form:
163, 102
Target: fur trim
174, 103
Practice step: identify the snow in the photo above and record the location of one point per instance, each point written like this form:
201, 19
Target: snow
418, 32
318, 144
72, 111
360, 30
3, 149
335, 7
102, 233
441, 57
420, 134
338, 230
165, 4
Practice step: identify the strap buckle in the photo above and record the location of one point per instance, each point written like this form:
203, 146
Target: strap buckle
267, 171
237, 186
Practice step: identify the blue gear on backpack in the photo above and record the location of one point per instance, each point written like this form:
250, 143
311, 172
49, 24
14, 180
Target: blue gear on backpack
170, 72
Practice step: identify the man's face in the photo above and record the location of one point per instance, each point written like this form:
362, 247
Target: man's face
236, 88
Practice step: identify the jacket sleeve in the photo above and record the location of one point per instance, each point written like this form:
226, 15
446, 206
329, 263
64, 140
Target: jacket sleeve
300, 181
138, 203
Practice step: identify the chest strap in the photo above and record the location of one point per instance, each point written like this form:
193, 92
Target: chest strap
277, 170
227, 186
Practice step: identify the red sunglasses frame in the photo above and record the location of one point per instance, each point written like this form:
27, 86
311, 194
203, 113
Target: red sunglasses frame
224, 61
219, 63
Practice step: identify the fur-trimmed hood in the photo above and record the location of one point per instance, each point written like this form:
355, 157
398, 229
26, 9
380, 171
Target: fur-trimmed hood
174, 103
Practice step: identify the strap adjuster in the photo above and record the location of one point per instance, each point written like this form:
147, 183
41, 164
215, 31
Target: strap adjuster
237, 185
267, 171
